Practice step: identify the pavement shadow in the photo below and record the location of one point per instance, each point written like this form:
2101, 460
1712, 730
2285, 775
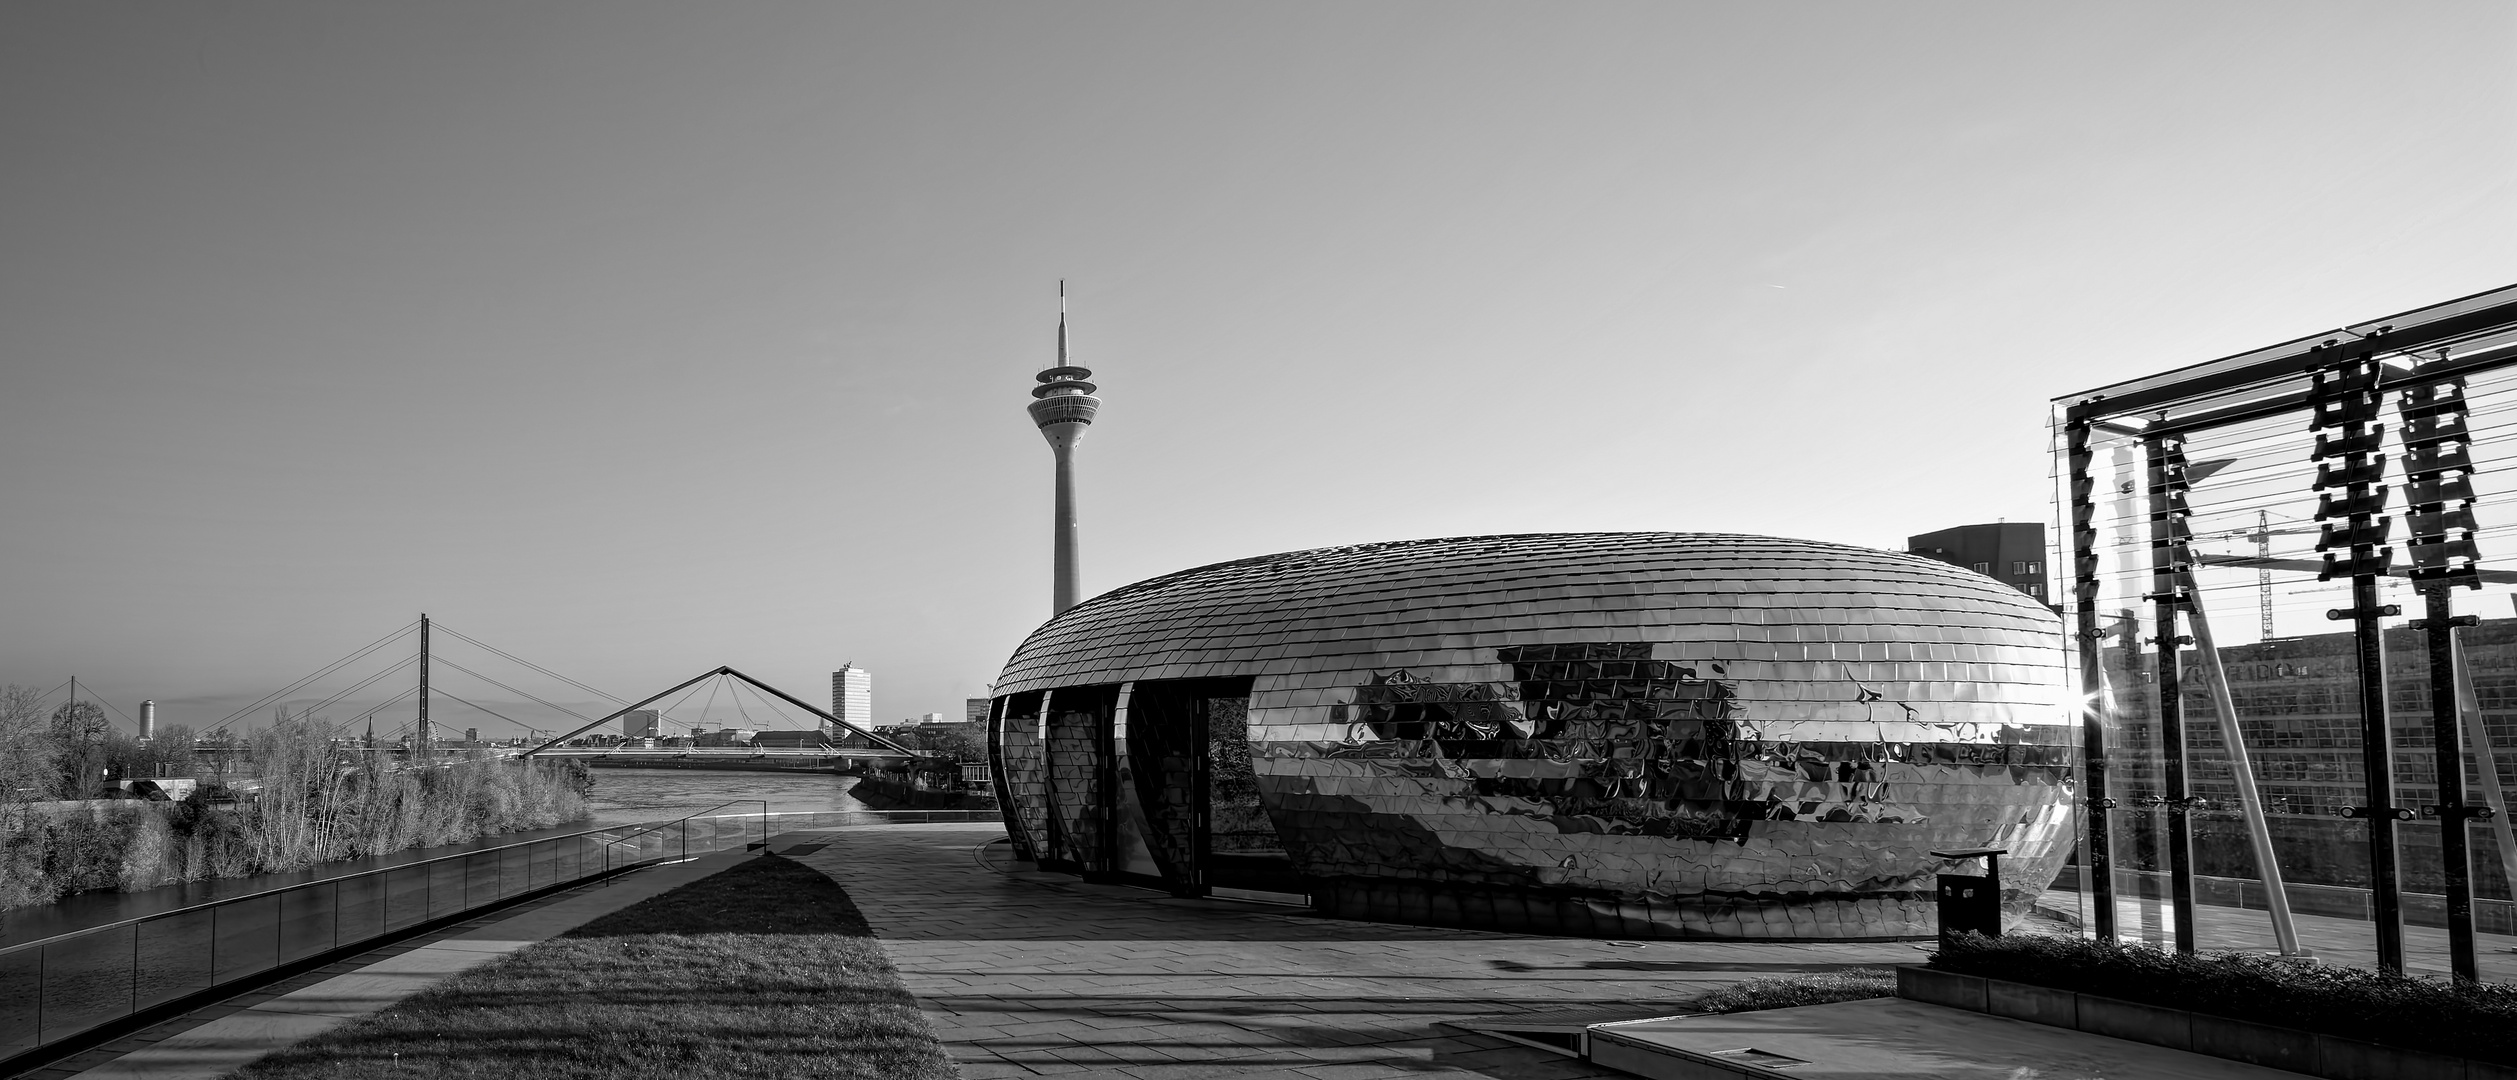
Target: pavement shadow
1678, 965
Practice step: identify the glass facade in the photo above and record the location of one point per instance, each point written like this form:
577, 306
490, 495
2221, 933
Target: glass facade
2288, 577
1635, 735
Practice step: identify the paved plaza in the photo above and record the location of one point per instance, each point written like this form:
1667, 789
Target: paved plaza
1025, 974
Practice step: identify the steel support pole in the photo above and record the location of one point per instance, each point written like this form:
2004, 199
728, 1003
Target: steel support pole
419, 742
2242, 769
2377, 771
2165, 465
2447, 732
2486, 764
2098, 857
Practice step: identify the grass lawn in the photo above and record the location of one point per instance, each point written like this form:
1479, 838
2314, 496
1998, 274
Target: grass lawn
764, 970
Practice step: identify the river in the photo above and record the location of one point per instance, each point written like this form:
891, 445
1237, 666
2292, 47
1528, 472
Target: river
624, 796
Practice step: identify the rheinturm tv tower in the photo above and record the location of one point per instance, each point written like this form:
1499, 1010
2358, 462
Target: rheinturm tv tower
1063, 406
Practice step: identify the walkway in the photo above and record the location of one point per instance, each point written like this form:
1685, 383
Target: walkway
1038, 974
217, 1039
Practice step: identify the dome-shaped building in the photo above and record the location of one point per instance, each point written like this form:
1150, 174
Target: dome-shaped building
1624, 734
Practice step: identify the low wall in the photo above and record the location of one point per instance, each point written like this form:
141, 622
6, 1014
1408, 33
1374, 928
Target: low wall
2315, 1054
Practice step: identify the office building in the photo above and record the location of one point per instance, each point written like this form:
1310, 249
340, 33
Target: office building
2010, 552
852, 696
642, 724
2298, 702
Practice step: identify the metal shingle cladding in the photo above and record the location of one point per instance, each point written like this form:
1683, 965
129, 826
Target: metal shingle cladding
1796, 620
1873, 705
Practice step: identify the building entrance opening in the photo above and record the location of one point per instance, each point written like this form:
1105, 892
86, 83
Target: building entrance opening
1077, 735
1188, 752
1149, 783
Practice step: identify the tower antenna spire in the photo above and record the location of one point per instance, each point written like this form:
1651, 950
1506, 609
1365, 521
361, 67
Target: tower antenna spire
1063, 406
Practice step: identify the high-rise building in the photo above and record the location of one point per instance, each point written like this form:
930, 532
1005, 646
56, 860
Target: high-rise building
2011, 552
975, 710
1063, 406
642, 724
852, 696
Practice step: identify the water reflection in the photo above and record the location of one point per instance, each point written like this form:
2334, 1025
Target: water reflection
622, 796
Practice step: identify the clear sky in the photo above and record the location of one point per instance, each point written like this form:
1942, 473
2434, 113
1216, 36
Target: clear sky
642, 338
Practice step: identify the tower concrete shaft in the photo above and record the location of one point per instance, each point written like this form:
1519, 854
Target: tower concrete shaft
1068, 564
1063, 406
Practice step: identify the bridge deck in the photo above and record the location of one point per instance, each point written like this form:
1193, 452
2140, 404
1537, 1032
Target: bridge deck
730, 752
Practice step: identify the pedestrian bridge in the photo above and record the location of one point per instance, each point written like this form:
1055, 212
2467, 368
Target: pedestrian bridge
725, 753
868, 745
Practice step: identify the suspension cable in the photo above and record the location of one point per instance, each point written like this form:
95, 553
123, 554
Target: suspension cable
615, 699
512, 690
283, 692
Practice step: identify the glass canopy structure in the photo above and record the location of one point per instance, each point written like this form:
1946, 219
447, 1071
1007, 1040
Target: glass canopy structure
2290, 585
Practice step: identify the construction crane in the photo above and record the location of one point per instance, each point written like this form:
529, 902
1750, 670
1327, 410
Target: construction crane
2263, 562
2263, 574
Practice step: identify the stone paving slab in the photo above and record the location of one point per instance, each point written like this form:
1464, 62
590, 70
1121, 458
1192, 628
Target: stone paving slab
1895, 1039
1029, 974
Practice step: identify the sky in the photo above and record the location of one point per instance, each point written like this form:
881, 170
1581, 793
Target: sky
636, 339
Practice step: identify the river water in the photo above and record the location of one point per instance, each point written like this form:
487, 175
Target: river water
625, 796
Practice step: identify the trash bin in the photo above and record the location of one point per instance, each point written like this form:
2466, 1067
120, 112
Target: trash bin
1969, 902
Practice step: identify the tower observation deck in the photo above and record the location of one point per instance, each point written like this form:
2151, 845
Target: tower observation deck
1063, 406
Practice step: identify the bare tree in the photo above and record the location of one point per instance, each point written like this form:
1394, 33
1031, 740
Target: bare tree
78, 734
26, 754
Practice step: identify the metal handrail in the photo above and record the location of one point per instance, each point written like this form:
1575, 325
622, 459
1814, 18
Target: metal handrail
13, 946
25, 1035
683, 821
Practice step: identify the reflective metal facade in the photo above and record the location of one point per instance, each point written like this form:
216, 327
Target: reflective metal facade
1627, 734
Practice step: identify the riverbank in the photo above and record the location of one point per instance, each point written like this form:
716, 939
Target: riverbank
882, 794
315, 815
614, 798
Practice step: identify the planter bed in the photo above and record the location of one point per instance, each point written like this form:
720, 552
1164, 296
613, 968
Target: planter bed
2201, 1033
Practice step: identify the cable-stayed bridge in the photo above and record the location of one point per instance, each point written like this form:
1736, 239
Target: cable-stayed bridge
815, 739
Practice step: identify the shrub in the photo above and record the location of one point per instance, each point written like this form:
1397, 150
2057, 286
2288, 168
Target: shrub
84, 851
313, 810
22, 880
149, 855
1787, 991
2475, 1020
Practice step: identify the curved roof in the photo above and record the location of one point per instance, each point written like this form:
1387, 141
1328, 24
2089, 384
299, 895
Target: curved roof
1804, 611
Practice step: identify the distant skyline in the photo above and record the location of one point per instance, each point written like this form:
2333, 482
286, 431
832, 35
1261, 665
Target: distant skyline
642, 338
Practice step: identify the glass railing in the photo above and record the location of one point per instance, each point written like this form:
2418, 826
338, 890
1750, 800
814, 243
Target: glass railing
57, 988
